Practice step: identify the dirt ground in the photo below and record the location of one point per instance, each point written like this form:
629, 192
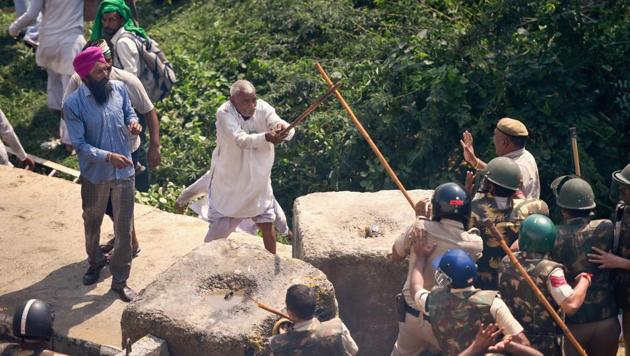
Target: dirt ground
42, 253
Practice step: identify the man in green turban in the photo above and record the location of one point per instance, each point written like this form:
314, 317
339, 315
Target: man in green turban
114, 23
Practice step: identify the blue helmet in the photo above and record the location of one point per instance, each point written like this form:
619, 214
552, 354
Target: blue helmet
451, 201
458, 266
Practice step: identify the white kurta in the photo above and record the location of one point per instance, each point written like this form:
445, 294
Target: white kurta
60, 32
242, 160
8, 135
126, 55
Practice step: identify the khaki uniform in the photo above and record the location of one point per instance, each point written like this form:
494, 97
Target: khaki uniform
595, 324
415, 333
487, 207
539, 326
325, 339
455, 319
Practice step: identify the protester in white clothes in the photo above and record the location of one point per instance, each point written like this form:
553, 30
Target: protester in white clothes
60, 40
509, 141
199, 189
31, 34
240, 173
114, 22
11, 139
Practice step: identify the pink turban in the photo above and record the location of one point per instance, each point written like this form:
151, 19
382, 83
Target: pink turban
85, 61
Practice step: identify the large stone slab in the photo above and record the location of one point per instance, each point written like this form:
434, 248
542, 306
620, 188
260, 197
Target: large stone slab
201, 304
330, 233
42, 253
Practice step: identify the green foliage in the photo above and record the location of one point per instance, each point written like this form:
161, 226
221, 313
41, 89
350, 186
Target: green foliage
416, 73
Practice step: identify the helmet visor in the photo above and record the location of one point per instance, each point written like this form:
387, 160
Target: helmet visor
442, 279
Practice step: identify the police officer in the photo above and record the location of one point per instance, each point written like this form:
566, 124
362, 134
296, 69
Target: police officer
595, 324
450, 210
32, 324
537, 236
509, 140
496, 202
620, 259
309, 336
456, 308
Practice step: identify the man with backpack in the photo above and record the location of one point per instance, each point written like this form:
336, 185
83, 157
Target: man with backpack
130, 47
133, 50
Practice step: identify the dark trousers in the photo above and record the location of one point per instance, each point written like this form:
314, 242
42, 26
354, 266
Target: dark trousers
94, 200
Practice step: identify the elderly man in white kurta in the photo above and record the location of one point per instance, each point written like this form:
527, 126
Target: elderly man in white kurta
240, 187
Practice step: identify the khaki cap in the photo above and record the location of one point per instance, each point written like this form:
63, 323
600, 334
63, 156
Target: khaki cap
512, 127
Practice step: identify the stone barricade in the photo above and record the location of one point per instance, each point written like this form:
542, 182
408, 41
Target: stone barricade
201, 305
349, 236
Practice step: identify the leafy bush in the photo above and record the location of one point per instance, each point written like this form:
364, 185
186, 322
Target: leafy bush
416, 73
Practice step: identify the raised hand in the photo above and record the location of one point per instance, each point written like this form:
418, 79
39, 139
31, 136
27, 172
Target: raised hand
467, 147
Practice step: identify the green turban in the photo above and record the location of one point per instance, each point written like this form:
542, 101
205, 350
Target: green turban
123, 10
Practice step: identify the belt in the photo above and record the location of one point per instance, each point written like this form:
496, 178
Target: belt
412, 311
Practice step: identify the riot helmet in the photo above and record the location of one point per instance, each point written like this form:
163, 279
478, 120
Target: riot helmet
33, 319
573, 193
504, 172
455, 267
537, 234
450, 201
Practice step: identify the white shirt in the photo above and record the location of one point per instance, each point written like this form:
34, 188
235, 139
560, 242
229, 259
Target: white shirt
241, 165
499, 311
60, 32
125, 52
529, 170
9, 136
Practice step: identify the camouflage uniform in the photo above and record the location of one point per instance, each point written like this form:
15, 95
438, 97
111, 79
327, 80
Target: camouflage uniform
415, 333
595, 324
486, 207
455, 320
539, 326
622, 277
325, 340
575, 239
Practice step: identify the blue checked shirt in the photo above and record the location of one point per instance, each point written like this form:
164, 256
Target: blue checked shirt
96, 130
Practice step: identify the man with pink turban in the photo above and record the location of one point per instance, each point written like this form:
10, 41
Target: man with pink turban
100, 121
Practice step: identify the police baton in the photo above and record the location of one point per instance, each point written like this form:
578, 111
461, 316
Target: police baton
574, 149
497, 235
310, 109
365, 135
270, 309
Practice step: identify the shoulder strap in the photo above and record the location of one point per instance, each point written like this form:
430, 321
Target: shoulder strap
484, 297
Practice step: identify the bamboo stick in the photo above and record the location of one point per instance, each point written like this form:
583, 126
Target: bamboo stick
497, 235
270, 309
310, 109
366, 136
574, 148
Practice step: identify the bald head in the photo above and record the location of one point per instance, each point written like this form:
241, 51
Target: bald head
242, 86
243, 97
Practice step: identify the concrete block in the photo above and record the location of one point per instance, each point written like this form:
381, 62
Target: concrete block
201, 305
330, 233
149, 345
